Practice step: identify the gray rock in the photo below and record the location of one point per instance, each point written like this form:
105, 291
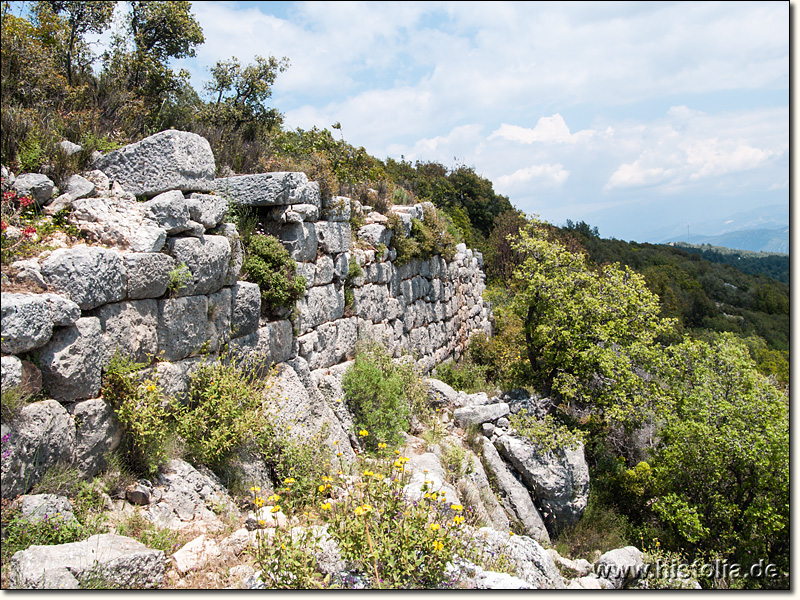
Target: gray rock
70, 148
321, 305
476, 415
333, 238
41, 436
208, 261
375, 234
169, 211
246, 308
34, 185
323, 273
97, 435
148, 274
169, 160
78, 187
90, 276
45, 507
182, 326
439, 393
117, 220
207, 209
558, 479
336, 209
129, 328
515, 498
99, 179
300, 239
29, 272
218, 331
71, 362
229, 231
26, 322
272, 343
529, 560
269, 189
427, 475
11, 372
120, 560
480, 492
620, 566
63, 310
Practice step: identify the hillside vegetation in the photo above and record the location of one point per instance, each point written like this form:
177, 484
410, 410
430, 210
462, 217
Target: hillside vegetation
670, 363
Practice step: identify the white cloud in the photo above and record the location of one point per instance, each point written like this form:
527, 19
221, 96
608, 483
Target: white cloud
547, 175
548, 130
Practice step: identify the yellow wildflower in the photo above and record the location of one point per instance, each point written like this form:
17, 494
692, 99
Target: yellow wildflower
434, 527
458, 520
255, 488
288, 480
275, 509
457, 507
326, 506
322, 488
274, 498
363, 433
437, 546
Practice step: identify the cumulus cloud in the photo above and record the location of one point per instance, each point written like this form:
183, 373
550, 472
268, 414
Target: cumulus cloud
547, 174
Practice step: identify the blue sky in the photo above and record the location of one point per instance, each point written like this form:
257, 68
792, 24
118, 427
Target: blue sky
639, 118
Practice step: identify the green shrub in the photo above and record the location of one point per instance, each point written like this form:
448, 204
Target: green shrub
546, 434
270, 266
179, 278
466, 376
223, 411
375, 392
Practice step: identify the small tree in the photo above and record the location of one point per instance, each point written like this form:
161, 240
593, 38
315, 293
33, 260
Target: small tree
589, 333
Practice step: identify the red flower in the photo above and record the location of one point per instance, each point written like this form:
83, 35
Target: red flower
25, 201
9, 196
3, 225
29, 231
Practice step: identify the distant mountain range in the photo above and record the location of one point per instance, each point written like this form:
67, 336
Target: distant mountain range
755, 240
763, 229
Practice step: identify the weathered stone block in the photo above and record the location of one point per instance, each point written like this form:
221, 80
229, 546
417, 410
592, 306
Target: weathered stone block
27, 322
269, 189
169, 160
182, 325
208, 260
72, 360
90, 276
246, 308
148, 274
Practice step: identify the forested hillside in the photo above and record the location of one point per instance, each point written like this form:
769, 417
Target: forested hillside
670, 364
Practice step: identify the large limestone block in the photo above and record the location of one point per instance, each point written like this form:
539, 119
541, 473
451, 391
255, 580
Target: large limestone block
117, 220
321, 305
182, 326
208, 260
148, 274
269, 189
218, 331
229, 231
71, 363
90, 276
333, 237
27, 322
515, 498
169, 160
97, 435
476, 415
620, 566
40, 437
300, 239
120, 560
559, 479
207, 209
273, 343
169, 211
246, 308
130, 328
375, 234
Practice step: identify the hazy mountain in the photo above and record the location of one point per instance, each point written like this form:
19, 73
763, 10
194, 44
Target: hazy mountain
756, 240
772, 217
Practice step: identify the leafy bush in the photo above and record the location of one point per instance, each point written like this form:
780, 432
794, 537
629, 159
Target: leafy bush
270, 266
375, 392
429, 236
142, 412
546, 434
465, 376
223, 411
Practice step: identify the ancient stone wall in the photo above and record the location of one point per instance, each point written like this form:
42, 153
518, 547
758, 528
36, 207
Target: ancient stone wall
161, 281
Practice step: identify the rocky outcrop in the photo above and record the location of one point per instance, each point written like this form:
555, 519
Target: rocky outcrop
107, 557
559, 479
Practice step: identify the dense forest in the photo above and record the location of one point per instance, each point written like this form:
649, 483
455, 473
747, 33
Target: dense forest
671, 362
